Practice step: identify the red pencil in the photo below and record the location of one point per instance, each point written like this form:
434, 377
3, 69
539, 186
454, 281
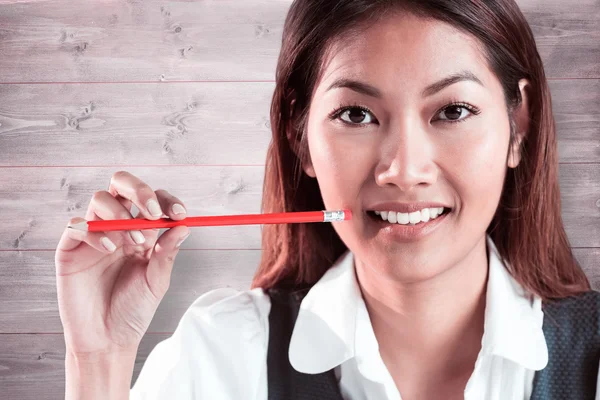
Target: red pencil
220, 220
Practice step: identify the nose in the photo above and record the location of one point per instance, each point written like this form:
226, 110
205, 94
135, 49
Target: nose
407, 160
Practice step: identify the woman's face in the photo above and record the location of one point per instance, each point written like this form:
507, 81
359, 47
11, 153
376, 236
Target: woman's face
434, 129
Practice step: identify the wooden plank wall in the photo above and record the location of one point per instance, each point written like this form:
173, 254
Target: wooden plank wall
158, 88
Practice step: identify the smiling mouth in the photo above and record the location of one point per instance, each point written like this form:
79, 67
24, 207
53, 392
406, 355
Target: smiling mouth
410, 219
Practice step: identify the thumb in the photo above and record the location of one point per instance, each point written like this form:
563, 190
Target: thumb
162, 259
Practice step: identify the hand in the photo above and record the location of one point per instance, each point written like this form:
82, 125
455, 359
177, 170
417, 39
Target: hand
110, 284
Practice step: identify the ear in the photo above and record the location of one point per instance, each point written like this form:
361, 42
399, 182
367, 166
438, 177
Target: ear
522, 124
294, 141
308, 168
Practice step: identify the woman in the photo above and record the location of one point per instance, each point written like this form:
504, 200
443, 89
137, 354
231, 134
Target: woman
431, 121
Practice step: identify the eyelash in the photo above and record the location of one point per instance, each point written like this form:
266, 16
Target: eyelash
335, 114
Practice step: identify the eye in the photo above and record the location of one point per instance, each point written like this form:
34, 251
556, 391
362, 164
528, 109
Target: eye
353, 115
457, 112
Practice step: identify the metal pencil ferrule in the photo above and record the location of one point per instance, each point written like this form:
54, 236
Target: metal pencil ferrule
333, 216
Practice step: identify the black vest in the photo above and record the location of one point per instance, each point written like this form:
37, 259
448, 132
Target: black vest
571, 329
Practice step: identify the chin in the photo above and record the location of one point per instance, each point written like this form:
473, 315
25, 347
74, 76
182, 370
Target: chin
404, 264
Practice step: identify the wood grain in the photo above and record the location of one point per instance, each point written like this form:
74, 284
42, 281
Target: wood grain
576, 109
140, 41
228, 39
199, 123
589, 259
32, 367
112, 124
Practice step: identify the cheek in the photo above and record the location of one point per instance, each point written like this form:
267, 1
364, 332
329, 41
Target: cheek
478, 167
485, 155
341, 167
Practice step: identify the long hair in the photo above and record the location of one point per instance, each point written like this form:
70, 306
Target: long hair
527, 227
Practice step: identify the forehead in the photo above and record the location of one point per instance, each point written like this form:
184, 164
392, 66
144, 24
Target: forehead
408, 48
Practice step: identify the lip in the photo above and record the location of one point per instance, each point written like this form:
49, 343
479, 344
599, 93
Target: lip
405, 233
405, 207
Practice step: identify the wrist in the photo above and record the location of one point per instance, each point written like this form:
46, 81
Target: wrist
99, 375
105, 357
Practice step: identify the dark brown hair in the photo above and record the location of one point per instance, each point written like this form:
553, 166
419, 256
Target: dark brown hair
527, 227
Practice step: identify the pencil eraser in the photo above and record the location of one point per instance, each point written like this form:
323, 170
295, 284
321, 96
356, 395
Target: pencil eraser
347, 215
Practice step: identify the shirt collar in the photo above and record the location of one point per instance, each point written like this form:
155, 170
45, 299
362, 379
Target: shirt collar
513, 318
327, 327
323, 336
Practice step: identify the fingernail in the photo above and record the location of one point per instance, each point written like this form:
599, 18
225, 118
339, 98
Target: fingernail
178, 209
182, 240
137, 236
108, 244
154, 208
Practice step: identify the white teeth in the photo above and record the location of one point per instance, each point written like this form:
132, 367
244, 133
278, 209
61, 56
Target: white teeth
425, 215
416, 217
392, 217
403, 218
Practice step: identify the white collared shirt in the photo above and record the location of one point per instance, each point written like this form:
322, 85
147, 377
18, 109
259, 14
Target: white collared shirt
219, 348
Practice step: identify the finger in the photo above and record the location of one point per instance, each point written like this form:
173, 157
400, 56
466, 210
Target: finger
127, 204
95, 202
75, 246
72, 238
160, 266
105, 207
132, 188
150, 235
173, 207
69, 241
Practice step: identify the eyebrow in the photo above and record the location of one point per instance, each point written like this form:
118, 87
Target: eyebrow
369, 90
